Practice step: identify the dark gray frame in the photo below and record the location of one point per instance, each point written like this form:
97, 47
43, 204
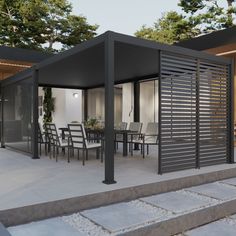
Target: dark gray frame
110, 39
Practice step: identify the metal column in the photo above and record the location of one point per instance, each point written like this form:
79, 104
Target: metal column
231, 113
35, 116
109, 109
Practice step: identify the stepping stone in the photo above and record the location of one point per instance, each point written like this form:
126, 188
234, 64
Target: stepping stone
218, 228
215, 190
176, 202
231, 181
119, 216
233, 217
50, 227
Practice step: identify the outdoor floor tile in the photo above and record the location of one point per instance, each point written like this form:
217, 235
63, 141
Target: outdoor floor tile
231, 181
215, 190
51, 227
176, 202
119, 216
218, 228
233, 217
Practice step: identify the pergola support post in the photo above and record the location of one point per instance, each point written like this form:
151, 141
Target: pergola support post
85, 104
35, 154
109, 109
136, 87
159, 114
2, 118
231, 113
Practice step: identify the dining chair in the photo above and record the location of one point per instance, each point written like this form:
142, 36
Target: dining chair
42, 140
134, 127
150, 137
80, 141
57, 142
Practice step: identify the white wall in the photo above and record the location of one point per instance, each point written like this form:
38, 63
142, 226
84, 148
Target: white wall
73, 106
67, 107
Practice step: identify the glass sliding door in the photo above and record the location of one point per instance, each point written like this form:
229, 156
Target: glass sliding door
96, 104
148, 102
18, 115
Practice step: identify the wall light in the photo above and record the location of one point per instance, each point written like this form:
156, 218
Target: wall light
75, 95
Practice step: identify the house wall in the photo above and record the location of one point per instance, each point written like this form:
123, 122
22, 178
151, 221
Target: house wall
67, 107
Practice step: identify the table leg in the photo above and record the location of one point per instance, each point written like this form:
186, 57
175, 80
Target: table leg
125, 146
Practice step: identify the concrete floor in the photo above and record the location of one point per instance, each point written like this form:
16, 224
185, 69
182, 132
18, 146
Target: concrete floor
24, 181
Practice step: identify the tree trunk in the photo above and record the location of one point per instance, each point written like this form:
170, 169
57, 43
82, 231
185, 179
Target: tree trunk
230, 3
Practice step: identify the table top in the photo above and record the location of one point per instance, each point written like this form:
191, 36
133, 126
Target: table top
101, 130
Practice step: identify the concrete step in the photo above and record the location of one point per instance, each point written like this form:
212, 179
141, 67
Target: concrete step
40, 211
163, 214
225, 226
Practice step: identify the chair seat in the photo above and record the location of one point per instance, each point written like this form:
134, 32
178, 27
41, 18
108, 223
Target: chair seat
148, 140
94, 145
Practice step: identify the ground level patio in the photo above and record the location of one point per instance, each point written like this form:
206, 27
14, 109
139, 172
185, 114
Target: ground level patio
28, 182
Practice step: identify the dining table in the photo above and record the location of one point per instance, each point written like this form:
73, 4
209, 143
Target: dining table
100, 133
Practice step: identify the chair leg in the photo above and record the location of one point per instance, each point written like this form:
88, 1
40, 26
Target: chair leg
86, 154
40, 149
97, 153
83, 157
68, 158
143, 151
78, 154
56, 150
46, 153
102, 154
147, 149
131, 149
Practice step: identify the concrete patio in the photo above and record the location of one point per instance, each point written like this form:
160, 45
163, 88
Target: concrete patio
27, 184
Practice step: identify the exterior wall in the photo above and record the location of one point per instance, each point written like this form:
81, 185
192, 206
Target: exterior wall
67, 107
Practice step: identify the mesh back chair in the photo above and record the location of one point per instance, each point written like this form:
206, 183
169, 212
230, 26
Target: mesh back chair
41, 139
57, 142
49, 138
122, 126
79, 141
134, 127
150, 137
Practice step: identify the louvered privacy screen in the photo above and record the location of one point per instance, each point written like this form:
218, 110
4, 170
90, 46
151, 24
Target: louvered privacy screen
193, 113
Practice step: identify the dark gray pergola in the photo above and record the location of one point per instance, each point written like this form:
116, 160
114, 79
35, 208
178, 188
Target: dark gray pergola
195, 95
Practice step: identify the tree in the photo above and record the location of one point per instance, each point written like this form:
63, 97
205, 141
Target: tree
210, 14
198, 17
38, 24
170, 28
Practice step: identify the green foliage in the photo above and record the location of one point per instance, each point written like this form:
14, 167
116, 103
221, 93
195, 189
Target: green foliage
170, 28
91, 123
48, 106
211, 15
38, 24
198, 17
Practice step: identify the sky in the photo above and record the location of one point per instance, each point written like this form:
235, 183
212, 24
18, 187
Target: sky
122, 16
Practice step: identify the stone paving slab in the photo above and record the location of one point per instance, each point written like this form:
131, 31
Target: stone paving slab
218, 228
215, 190
233, 217
119, 216
50, 227
231, 181
176, 202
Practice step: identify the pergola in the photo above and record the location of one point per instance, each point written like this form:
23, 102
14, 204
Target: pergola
195, 96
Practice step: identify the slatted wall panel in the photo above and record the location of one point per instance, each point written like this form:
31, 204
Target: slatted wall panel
177, 113
213, 113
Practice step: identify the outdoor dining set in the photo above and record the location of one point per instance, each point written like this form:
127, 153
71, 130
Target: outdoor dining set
78, 136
